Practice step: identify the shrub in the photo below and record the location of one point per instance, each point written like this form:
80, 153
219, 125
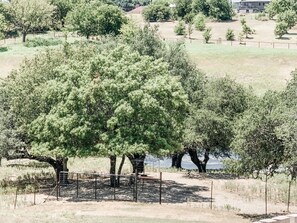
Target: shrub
3, 49
261, 17
199, 22
156, 13
42, 42
281, 29
180, 28
207, 35
230, 36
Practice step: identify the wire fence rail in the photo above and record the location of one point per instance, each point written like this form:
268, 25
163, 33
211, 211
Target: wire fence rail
243, 43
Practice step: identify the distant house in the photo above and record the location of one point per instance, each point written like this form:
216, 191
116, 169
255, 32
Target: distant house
250, 6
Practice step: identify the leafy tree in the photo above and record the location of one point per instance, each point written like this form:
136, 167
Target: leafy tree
3, 26
289, 17
220, 9
96, 19
256, 140
281, 29
29, 15
276, 7
180, 28
209, 127
200, 6
230, 36
246, 30
87, 101
145, 41
157, 12
207, 35
199, 22
190, 29
183, 7
62, 7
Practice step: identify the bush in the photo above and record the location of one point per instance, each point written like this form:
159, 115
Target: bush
3, 49
207, 35
180, 28
156, 13
42, 42
281, 29
199, 22
261, 17
230, 36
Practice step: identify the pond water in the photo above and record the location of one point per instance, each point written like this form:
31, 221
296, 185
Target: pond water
213, 163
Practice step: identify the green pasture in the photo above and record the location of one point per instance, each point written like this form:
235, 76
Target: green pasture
261, 68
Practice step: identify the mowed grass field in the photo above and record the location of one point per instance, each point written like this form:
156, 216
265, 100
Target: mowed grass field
260, 68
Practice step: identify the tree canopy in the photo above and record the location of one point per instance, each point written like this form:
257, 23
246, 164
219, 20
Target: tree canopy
28, 15
96, 18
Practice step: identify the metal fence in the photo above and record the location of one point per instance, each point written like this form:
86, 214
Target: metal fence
244, 43
94, 186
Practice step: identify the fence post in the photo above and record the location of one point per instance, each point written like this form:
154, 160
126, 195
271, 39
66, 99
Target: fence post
289, 195
266, 197
57, 190
114, 184
211, 193
136, 189
95, 187
160, 198
77, 185
16, 196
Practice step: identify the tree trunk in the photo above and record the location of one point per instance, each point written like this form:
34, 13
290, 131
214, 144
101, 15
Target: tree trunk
24, 35
206, 158
112, 171
0, 161
63, 179
57, 164
120, 169
137, 161
195, 160
177, 160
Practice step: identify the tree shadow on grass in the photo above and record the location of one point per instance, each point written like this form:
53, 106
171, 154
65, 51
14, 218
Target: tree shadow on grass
148, 191
257, 217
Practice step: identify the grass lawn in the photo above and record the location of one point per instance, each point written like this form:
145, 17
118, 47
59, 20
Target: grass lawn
263, 69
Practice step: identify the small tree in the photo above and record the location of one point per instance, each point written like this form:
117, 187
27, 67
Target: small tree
190, 29
199, 22
246, 30
207, 35
156, 12
29, 15
180, 28
281, 29
2, 26
230, 36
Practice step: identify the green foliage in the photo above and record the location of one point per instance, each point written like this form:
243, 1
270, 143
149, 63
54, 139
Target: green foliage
261, 16
42, 42
62, 7
183, 8
256, 142
92, 19
289, 17
157, 12
220, 10
29, 15
93, 100
246, 30
207, 35
199, 22
230, 36
128, 5
180, 28
145, 41
210, 124
3, 26
200, 6
281, 29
